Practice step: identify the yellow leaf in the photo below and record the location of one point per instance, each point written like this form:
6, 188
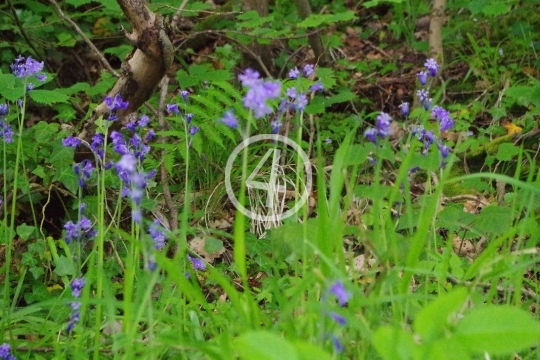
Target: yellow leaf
512, 128
54, 287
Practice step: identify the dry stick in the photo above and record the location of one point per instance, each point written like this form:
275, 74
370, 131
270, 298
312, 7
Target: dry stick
173, 210
176, 16
84, 37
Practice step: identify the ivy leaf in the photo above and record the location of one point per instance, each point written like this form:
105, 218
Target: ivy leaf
24, 231
507, 151
48, 97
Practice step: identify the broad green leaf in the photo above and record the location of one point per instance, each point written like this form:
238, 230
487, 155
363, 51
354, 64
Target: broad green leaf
447, 349
24, 231
436, 317
498, 330
64, 266
264, 345
394, 343
357, 154
44, 132
212, 245
507, 151
68, 178
11, 88
493, 219
307, 351
48, 97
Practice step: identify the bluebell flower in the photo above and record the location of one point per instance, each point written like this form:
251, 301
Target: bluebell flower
5, 352
83, 170
143, 121
4, 109
259, 92
422, 77
173, 108
184, 94
95, 145
291, 92
338, 318
318, 86
443, 149
294, 73
22, 68
76, 289
81, 231
149, 135
328, 140
275, 125
383, 124
189, 117
443, 116
432, 66
157, 235
41, 77
197, 263
115, 103
405, 108
229, 120
342, 295
6, 131
193, 130
308, 69
30, 86
427, 104
423, 95
71, 141
371, 134
119, 144
300, 102
338, 347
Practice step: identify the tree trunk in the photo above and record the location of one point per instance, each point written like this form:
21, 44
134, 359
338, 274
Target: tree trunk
315, 41
144, 67
435, 31
263, 53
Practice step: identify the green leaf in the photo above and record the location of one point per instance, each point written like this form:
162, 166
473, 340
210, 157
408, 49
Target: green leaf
434, 319
493, 219
48, 97
307, 351
77, 3
264, 345
212, 245
44, 132
498, 330
373, 3
394, 343
24, 231
11, 88
343, 96
67, 177
507, 151
64, 266
357, 154
520, 94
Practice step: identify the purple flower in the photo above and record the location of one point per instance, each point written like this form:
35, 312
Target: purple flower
427, 104
115, 103
445, 121
97, 141
291, 92
432, 66
41, 77
127, 163
249, 78
157, 235
143, 121
342, 295
3, 109
194, 130
294, 73
308, 69
405, 108
119, 144
30, 86
444, 150
197, 263
383, 124
318, 86
149, 135
132, 126
338, 318
173, 108
184, 94
371, 134
258, 93
22, 68
337, 344
189, 117
328, 140
83, 170
301, 102
422, 77
6, 132
77, 285
80, 231
230, 120
71, 141
276, 125
422, 95
5, 352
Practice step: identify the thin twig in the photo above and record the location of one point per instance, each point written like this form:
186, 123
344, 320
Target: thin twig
176, 16
85, 38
